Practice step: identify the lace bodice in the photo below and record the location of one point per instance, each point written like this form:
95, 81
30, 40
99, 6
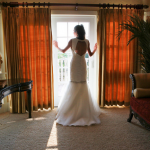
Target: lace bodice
78, 72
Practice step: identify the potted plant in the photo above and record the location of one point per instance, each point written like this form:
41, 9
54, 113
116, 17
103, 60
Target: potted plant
140, 29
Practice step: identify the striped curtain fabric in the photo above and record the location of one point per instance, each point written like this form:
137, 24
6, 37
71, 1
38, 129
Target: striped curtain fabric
28, 39
116, 59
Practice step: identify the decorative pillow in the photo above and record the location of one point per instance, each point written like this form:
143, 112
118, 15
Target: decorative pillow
142, 80
141, 92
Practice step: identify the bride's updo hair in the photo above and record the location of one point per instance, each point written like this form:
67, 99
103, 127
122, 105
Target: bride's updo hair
80, 31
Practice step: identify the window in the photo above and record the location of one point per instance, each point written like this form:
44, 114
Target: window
64, 34
62, 30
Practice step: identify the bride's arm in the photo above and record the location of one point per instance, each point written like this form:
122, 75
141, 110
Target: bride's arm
89, 51
65, 49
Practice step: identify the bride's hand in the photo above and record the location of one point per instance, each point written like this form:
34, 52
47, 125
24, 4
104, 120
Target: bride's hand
95, 47
55, 43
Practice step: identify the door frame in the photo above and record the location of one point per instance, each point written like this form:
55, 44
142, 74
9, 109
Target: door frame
81, 16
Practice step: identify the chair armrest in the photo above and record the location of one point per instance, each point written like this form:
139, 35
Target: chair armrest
142, 92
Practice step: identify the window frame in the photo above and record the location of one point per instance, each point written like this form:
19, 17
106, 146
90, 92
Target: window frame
93, 64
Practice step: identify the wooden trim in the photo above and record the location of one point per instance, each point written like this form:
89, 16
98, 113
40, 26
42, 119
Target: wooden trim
133, 84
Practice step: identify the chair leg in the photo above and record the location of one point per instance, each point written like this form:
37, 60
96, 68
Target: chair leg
130, 115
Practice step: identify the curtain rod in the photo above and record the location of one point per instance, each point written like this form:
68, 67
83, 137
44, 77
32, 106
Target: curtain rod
104, 5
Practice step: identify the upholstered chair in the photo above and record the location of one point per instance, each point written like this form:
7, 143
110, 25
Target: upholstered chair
140, 98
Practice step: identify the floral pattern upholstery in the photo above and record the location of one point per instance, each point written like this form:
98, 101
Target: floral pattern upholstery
142, 107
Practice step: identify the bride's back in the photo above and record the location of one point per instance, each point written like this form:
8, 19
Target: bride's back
78, 64
81, 48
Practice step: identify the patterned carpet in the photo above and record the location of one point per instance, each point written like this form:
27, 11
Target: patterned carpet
17, 132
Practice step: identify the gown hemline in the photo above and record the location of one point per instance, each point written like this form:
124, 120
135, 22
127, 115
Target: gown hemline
78, 125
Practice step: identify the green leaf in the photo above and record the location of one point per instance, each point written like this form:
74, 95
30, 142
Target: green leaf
140, 29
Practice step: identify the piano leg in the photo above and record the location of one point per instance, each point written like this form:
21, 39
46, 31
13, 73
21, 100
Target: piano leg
29, 102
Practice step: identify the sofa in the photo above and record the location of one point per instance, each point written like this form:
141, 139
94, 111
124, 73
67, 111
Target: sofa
140, 99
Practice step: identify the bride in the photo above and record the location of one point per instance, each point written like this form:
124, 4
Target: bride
77, 108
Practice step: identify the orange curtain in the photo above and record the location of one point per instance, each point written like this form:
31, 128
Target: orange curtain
33, 51
116, 59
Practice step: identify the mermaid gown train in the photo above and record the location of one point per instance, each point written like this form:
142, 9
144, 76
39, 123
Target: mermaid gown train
77, 108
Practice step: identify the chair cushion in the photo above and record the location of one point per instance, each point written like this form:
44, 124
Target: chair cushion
142, 107
142, 80
141, 92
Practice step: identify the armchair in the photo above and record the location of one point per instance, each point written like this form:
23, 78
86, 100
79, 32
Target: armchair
140, 99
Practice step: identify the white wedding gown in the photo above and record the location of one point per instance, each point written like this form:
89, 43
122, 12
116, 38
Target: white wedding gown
77, 108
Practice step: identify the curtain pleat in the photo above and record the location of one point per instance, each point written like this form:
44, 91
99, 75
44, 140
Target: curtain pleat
116, 59
29, 53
